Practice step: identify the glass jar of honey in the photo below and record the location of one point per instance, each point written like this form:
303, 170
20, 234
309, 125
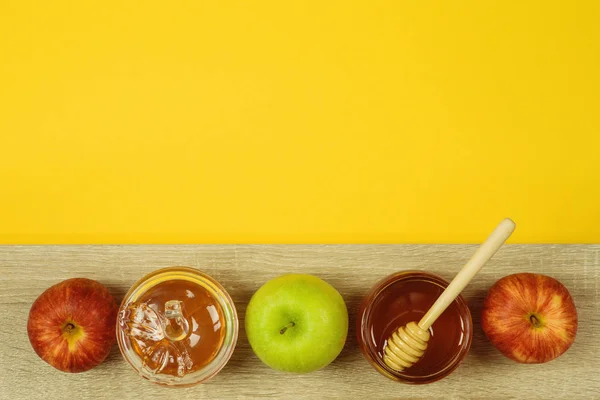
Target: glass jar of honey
404, 297
177, 326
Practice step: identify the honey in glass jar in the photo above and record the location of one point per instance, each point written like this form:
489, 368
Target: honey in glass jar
404, 297
177, 326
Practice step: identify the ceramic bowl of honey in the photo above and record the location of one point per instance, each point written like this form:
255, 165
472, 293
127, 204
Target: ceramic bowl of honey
177, 327
404, 297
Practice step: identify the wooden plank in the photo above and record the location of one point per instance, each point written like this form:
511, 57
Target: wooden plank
25, 271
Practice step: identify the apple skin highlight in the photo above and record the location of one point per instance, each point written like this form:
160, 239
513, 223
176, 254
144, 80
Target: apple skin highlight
530, 318
71, 325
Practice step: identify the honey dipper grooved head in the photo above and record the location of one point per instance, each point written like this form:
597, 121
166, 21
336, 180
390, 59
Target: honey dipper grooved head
406, 346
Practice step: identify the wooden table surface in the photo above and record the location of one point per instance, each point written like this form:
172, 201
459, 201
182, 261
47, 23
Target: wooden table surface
25, 272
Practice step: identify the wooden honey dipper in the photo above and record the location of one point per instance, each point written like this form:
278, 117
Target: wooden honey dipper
408, 343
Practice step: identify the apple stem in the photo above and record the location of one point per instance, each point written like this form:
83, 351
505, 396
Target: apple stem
536, 322
69, 327
285, 328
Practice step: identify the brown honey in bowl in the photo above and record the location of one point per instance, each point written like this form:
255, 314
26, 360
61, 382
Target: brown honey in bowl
405, 297
403, 302
177, 327
205, 329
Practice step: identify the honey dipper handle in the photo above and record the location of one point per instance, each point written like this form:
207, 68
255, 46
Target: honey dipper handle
471, 268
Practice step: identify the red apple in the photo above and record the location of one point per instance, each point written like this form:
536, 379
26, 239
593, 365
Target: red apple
71, 325
530, 318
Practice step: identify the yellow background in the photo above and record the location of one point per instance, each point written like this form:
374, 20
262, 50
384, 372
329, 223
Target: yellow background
298, 121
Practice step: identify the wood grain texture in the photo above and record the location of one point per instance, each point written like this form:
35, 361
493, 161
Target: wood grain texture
26, 271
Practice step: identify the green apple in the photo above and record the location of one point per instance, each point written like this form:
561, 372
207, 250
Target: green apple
297, 323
